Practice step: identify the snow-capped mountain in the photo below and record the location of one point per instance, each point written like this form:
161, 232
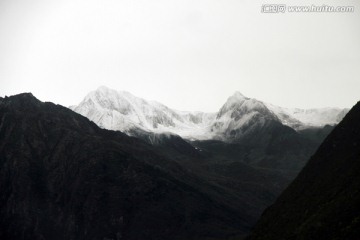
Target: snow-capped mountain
120, 110
240, 115
304, 118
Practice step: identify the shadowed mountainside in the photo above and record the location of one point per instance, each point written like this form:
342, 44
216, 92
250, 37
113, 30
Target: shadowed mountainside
62, 177
323, 202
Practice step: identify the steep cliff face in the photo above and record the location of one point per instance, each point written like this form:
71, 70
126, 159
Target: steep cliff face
323, 202
62, 177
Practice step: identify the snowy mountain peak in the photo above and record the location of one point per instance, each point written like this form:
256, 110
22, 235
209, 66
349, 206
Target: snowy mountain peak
305, 118
103, 89
120, 110
111, 94
238, 95
238, 105
232, 102
241, 115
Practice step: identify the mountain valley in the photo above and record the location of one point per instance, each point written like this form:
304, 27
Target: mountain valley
162, 174
323, 201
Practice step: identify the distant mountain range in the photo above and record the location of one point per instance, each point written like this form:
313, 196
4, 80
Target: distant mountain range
119, 110
323, 202
179, 175
62, 177
244, 129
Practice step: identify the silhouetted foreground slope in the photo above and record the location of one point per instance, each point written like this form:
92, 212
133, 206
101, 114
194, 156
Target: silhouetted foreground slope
323, 202
62, 177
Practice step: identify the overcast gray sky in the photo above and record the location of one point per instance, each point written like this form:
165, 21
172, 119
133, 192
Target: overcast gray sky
187, 54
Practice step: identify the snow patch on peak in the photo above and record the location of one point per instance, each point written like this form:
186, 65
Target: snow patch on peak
238, 94
235, 98
238, 105
297, 118
120, 110
102, 89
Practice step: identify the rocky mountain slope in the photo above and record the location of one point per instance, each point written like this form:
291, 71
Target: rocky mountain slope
63, 177
244, 130
323, 202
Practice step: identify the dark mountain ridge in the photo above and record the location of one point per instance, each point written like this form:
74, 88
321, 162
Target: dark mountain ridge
323, 202
244, 130
62, 177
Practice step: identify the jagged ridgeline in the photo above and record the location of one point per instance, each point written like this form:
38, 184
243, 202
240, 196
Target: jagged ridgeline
62, 177
323, 202
120, 110
243, 130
